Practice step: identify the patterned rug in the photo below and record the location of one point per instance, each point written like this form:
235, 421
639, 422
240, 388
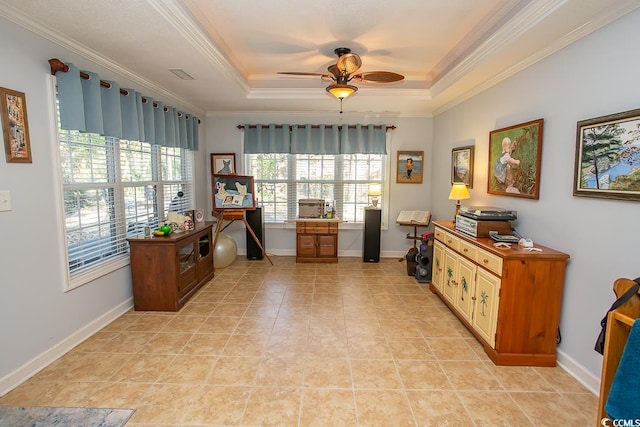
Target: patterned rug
42, 416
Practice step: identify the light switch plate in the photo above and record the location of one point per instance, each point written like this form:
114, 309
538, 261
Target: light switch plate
5, 201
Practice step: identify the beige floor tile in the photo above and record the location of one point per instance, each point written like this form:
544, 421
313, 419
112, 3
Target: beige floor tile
439, 408
374, 374
346, 344
273, 407
234, 371
216, 405
329, 373
493, 409
383, 408
322, 408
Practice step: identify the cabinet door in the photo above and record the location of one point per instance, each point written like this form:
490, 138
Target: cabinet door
485, 312
327, 246
306, 245
438, 265
186, 265
449, 283
205, 255
466, 283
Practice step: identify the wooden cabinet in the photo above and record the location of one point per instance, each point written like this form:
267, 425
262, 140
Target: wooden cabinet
166, 271
509, 299
317, 240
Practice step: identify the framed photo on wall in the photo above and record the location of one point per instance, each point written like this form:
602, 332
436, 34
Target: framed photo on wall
409, 167
223, 164
233, 192
15, 126
514, 160
607, 163
462, 165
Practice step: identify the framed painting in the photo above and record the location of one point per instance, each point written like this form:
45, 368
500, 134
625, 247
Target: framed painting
462, 165
607, 163
223, 163
409, 167
15, 126
233, 192
514, 160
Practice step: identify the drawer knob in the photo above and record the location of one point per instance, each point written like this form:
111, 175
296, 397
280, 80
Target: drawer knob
486, 261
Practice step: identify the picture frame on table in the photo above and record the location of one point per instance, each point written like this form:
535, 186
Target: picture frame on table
233, 192
15, 126
410, 166
607, 159
462, 165
515, 154
223, 163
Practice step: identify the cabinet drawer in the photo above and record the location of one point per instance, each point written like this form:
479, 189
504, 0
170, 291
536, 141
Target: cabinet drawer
468, 250
489, 261
439, 234
452, 241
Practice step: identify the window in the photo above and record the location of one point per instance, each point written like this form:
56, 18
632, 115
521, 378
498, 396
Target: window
282, 179
112, 189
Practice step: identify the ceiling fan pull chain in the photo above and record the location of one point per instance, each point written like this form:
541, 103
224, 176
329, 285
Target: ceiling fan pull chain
341, 105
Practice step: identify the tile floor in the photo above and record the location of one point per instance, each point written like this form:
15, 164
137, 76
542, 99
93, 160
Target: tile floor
305, 345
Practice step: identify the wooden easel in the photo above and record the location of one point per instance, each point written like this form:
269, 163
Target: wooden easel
236, 215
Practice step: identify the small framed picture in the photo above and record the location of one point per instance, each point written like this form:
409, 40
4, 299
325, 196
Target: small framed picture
15, 126
462, 165
607, 163
409, 164
515, 153
223, 164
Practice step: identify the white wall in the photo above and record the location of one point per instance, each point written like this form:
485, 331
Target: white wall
596, 76
223, 136
38, 320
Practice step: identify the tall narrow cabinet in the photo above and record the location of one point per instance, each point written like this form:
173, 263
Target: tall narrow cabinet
167, 270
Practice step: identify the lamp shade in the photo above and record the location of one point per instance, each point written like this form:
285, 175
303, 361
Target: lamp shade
459, 191
341, 91
375, 190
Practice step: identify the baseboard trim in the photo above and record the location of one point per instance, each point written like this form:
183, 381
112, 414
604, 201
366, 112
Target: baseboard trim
577, 371
35, 365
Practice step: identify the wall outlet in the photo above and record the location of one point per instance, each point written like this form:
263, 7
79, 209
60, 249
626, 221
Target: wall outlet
5, 201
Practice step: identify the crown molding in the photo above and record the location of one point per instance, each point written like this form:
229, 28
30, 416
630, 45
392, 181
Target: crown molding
47, 33
322, 115
175, 15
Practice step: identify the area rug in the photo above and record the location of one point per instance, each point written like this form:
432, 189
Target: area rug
43, 416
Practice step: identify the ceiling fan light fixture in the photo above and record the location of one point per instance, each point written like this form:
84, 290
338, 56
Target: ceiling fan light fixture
341, 91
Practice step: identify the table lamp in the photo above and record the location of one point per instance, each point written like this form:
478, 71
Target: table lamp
458, 192
375, 190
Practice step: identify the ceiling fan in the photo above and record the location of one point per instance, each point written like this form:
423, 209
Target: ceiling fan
343, 71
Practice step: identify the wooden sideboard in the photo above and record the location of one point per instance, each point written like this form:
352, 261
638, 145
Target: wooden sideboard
317, 240
508, 298
167, 270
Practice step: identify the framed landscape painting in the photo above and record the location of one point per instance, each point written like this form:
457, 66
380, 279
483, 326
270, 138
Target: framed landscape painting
409, 164
515, 153
607, 163
462, 165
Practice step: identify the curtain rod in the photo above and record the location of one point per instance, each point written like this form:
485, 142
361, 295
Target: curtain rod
315, 127
57, 65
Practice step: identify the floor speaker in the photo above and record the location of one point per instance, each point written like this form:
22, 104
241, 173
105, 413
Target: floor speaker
254, 219
371, 235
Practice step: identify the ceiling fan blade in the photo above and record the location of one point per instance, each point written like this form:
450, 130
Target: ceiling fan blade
379, 77
300, 73
349, 63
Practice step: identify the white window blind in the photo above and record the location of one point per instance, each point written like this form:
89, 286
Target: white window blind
112, 189
282, 179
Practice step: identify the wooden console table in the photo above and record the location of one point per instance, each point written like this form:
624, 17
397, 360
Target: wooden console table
508, 298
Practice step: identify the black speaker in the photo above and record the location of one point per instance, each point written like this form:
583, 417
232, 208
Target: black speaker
254, 219
371, 235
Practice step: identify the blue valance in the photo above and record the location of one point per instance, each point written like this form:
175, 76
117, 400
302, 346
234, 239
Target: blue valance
87, 106
315, 139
